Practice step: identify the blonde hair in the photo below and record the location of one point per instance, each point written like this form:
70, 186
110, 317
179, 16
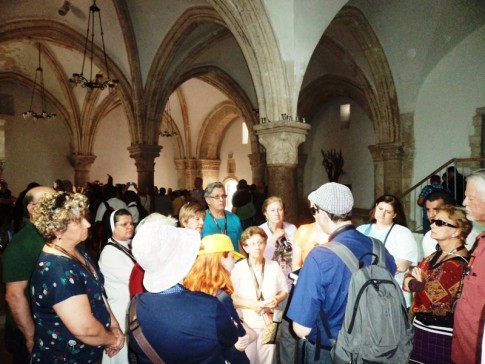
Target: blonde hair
188, 211
54, 211
208, 275
271, 200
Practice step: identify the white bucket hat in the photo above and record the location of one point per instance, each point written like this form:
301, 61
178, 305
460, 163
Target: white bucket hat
166, 253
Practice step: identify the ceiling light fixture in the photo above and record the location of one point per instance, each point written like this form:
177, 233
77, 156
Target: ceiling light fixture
39, 74
99, 81
170, 131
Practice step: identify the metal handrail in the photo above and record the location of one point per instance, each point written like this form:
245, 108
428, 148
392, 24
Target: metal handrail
414, 213
451, 161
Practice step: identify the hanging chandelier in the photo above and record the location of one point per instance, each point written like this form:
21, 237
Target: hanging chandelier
170, 131
98, 81
39, 75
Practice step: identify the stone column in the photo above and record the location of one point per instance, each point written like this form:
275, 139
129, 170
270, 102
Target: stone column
144, 156
387, 168
186, 173
209, 170
258, 167
281, 140
82, 167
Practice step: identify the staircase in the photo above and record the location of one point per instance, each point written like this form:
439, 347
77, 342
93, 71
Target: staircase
456, 184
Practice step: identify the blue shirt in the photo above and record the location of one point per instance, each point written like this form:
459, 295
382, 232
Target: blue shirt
323, 285
230, 225
184, 327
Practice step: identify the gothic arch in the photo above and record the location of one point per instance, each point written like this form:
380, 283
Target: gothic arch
213, 128
386, 110
249, 23
66, 37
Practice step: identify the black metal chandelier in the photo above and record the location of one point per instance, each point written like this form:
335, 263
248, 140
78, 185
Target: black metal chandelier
170, 131
98, 81
39, 75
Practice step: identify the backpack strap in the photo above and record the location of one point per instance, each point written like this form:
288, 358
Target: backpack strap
344, 253
139, 337
351, 262
379, 250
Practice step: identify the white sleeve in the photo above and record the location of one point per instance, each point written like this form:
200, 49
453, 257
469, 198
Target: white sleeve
402, 245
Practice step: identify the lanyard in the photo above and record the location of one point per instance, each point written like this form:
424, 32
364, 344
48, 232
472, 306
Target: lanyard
217, 224
258, 287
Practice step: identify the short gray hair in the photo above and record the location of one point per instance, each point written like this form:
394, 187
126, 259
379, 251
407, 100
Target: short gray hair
211, 186
478, 174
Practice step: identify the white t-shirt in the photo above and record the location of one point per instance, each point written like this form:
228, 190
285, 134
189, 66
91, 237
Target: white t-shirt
401, 245
273, 282
114, 202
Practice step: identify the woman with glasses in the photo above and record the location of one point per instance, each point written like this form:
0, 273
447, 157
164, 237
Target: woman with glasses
259, 288
116, 263
436, 283
279, 248
388, 224
73, 321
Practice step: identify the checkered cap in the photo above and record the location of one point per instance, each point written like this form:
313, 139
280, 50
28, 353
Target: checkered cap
333, 197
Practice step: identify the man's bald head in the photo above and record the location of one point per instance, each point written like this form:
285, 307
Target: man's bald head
33, 195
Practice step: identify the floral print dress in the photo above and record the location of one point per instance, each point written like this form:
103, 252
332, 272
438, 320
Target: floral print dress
55, 279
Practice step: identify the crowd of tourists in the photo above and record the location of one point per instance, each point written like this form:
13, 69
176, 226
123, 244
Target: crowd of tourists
114, 274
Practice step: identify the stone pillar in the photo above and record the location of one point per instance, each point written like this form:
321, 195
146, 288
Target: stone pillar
281, 140
209, 170
258, 167
180, 167
387, 168
144, 156
82, 167
186, 173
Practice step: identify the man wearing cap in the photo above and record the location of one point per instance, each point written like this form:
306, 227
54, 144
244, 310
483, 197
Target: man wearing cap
181, 326
323, 282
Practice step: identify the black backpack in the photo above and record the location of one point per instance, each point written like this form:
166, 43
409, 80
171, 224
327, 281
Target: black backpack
376, 327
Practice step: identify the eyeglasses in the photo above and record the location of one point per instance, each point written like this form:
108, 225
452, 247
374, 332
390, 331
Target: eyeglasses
442, 223
253, 244
218, 197
314, 209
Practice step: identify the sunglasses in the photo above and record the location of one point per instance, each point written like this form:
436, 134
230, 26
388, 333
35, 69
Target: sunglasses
441, 223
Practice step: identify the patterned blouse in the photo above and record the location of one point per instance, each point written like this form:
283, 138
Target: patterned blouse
441, 281
55, 279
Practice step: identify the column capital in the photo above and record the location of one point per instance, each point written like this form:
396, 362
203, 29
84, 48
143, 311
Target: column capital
281, 140
144, 156
81, 162
209, 164
257, 160
386, 151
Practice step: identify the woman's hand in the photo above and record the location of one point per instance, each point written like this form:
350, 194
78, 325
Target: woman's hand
118, 345
271, 303
417, 273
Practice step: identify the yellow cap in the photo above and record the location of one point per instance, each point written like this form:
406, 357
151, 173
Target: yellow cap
218, 243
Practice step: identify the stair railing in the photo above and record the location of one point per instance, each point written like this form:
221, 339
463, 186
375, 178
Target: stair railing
409, 198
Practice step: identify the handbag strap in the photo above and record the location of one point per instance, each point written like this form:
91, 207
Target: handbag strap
139, 337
